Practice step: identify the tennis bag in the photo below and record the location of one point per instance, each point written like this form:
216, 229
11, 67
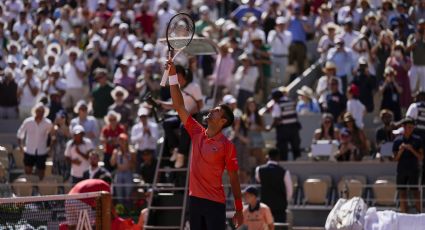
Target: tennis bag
347, 215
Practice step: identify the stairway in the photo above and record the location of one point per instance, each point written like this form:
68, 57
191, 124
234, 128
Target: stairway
167, 204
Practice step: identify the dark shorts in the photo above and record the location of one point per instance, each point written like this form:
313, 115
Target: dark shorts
206, 214
39, 161
408, 179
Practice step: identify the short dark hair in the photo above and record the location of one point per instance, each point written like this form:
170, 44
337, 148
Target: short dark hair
273, 154
187, 74
227, 114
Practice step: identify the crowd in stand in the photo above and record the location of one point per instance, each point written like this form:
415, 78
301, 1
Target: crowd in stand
77, 73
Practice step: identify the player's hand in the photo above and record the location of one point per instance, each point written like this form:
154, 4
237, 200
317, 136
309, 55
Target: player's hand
238, 219
171, 68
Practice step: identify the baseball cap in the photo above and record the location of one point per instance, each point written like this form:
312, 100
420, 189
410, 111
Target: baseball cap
78, 129
251, 189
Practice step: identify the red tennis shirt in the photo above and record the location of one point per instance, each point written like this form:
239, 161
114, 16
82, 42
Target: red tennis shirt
210, 156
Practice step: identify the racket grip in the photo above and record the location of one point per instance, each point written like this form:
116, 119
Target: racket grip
164, 78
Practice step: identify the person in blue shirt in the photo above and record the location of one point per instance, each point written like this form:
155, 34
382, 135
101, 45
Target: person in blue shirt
249, 8
342, 56
307, 104
299, 27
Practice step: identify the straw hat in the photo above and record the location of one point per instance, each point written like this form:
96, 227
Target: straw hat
306, 91
329, 26
329, 66
118, 89
400, 44
348, 117
281, 20
389, 70
142, 112
244, 56
112, 113
38, 106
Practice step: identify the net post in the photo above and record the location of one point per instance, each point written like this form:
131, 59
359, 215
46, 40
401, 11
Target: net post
104, 214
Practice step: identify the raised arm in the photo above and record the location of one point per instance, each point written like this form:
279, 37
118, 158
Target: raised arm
176, 94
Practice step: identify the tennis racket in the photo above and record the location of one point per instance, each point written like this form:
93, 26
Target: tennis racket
179, 34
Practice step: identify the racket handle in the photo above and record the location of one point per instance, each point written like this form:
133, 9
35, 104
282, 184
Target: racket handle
164, 78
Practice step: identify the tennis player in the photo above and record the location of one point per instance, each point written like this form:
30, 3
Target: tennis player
212, 152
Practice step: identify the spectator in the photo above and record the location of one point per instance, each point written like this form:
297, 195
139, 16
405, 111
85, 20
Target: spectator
77, 153
384, 134
95, 171
279, 40
323, 87
119, 94
285, 120
97, 59
28, 92
74, 70
327, 130
109, 136
307, 104
242, 11
91, 129
12, 63
391, 92
366, 83
163, 16
101, 94
401, 63
335, 102
408, 152
327, 41
148, 167
8, 96
32, 139
358, 137
124, 161
261, 58
415, 111
60, 136
245, 78
382, 50
276, 186
299, 27
54, 82
254, 124
223, 70
252, 31
349, 11
347, 151
122, 43
354, 106
342, 57
204, 20
144, 136
256, 215
416, 46
124, 77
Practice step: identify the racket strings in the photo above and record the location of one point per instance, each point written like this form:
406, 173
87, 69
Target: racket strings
180, 31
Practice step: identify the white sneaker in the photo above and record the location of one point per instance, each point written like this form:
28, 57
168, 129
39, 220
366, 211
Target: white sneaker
179, 161
174, 155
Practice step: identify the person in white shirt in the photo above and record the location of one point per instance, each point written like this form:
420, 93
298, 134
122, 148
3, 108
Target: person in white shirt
32, 139
28, 92
77, 152
245, 79
349, 35
324, 84
165, 13
122, 44
279, 40
327, 41
252, 31
354, 106
74, 78
144, 135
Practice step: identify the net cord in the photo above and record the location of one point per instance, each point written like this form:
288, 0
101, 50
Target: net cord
49, 198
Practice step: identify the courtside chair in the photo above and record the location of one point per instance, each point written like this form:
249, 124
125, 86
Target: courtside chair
22, 187
354, 185
48, 186
317, 190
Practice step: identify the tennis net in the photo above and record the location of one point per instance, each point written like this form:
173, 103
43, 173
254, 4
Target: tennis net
77, 211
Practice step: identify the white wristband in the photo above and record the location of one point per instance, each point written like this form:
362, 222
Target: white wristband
173, 80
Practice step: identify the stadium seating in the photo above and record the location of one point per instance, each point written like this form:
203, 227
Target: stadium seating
22, 187
317, 190
354, 184
384, 191
48, 186
18, 158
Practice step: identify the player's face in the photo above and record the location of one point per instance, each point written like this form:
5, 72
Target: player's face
215, 116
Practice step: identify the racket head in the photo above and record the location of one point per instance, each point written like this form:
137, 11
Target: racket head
180, 31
